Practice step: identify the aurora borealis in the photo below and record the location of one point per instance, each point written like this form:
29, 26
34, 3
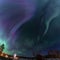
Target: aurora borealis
28, 26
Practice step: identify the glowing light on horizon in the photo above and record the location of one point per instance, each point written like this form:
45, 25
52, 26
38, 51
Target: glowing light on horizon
14, 55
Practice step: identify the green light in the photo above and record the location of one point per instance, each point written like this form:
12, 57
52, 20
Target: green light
6, 45
2, 41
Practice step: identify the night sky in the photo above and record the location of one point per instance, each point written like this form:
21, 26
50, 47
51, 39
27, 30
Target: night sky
30, 26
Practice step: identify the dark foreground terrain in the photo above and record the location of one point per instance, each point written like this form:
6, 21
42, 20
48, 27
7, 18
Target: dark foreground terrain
34, 58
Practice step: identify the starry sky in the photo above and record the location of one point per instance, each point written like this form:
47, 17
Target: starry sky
29, 26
